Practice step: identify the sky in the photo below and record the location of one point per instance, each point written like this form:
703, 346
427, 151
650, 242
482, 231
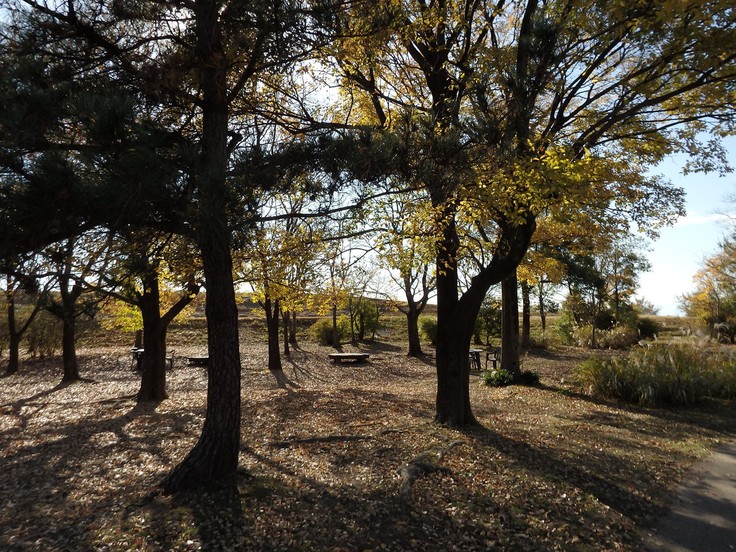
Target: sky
678, 254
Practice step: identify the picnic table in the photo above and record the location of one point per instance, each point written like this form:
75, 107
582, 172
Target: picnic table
339, 358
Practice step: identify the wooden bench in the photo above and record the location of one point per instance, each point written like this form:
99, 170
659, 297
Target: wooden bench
339, 358
199, 360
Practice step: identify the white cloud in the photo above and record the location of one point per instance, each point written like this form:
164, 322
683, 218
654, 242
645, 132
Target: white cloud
692, 220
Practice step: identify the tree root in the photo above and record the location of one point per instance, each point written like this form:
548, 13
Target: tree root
424, 463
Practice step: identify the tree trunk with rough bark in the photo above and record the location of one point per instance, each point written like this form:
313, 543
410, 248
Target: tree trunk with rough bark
526, 316
510, 325
272, 326
455, 321
285, 321
69, 349
153, 374
215, 455
412, 323
13, 340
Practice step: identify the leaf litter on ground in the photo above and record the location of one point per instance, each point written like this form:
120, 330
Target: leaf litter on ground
547, 468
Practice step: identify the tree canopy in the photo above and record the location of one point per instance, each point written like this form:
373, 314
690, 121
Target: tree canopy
493, 115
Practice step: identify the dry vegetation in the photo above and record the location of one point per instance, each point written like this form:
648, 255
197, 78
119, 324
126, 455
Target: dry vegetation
548, 469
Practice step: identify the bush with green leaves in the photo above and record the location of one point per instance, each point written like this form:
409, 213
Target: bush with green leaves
679, 374
564, 328
528, 377
365, 319
498, 377
321, 330
428, 327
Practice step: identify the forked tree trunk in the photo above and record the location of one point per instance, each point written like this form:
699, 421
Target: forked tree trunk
454, 330
155, 328
510, 325
15, 334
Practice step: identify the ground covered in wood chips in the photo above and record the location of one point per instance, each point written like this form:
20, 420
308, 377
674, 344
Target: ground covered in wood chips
322, 445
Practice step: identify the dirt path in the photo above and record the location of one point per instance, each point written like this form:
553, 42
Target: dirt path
703, 516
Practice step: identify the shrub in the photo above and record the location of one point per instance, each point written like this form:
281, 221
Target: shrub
321, 330
648, 328
428, 327
564, 328
528, 377
498, 377
660, 374
43, 337
366, 319
618, 337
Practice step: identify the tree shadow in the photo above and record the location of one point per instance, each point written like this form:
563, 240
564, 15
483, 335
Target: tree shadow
601, 475
283, 381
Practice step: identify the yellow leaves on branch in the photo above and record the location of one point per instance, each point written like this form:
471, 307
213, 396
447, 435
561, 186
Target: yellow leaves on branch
554, 179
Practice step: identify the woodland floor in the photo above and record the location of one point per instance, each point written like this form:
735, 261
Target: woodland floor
548, 469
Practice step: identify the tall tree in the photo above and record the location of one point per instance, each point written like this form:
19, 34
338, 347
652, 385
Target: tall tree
69, 265
159, 275
509, 108
21, 286
404, 242
190, 66
713, 300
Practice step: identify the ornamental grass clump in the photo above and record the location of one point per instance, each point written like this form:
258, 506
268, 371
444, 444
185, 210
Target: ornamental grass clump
661, 374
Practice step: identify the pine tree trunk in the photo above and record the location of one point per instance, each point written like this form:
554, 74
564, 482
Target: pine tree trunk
510, 326
215, 456
454, 329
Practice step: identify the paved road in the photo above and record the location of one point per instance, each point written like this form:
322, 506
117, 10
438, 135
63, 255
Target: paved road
703, 517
